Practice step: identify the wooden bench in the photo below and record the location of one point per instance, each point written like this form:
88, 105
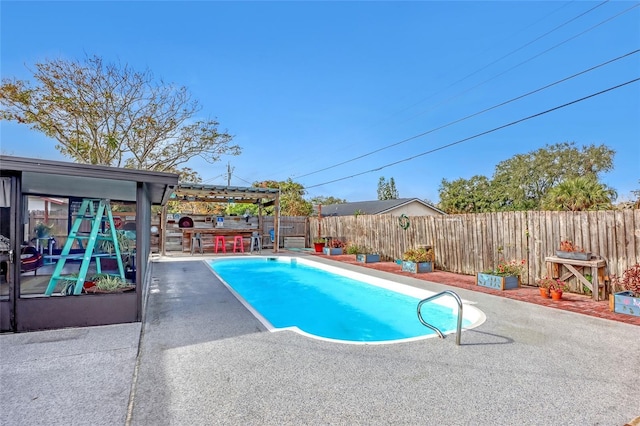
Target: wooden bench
574, 268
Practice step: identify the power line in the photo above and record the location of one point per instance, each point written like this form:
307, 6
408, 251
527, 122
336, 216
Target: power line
474, 114
413, 157
244, 180
478, 85
500, 59
490, 79
214, 178
494, 77
528, 60
495, 61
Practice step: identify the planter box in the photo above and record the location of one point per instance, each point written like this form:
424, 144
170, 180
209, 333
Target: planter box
624, 303
294, 242
367, 258
417, 268
96, 290
332, 251
498, 282
575, 255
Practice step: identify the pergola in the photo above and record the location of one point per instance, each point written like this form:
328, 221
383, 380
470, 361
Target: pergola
194, 192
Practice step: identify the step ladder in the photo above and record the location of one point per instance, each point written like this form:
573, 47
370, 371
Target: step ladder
96, 211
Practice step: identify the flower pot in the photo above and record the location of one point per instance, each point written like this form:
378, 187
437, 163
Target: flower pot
498, 282
575, 255
544, 292
556, 294
318, 247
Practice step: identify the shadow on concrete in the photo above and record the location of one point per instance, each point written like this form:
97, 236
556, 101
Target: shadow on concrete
484, 338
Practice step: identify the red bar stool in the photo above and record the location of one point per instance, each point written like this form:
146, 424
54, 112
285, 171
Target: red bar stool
238, 244
220, 240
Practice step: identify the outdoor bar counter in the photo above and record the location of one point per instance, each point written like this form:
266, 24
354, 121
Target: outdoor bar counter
207, 236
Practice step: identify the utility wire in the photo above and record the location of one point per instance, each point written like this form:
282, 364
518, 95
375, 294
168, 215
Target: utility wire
497, 60
474, 114
214, 178
526, 60
500, 59
244, 180
495, 129
474, 87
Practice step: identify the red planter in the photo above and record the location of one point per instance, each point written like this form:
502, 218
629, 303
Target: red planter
556, 294
318, 247
544, 292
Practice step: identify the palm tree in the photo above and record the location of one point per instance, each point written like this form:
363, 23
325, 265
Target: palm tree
579, 194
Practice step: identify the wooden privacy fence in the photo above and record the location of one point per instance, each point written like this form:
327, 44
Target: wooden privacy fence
59, 220
470, 243
290, 226
293, 230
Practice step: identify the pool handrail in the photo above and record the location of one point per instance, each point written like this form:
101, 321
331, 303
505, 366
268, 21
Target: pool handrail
434, 328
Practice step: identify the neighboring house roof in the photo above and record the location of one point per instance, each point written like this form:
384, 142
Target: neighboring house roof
372, 207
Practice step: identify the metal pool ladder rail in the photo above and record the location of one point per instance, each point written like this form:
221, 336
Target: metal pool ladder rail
436, 296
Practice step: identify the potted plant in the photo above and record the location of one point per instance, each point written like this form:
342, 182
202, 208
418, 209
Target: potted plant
544, 284
42, 230
628, 300
568, 250
505, 276
556, 288
334, 247
318, 244
68, 283
418, 260
126, 246
105, 283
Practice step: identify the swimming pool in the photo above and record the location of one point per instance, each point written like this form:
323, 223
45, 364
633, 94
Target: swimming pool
330, 303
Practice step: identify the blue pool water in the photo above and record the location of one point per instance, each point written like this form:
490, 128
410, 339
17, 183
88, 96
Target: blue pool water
287, 292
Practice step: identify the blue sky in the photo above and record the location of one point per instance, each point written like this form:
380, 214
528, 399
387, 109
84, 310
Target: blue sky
305, 86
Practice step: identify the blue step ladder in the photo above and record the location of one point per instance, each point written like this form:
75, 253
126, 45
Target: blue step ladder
95, 211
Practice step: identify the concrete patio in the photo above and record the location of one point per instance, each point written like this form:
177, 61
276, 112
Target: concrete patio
201, 358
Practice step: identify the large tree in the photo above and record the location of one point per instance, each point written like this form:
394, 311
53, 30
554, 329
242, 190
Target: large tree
110, 115
387, 189
525, 178
636, 192
292, 202
579, 194
466, 195
521, 182
325, 201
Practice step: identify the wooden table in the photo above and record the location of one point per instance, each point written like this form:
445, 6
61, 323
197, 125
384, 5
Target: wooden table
228, 233
597, 269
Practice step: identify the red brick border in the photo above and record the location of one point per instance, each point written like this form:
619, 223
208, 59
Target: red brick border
570, 302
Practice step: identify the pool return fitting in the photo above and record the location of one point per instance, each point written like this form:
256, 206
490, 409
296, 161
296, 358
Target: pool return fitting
434, 328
